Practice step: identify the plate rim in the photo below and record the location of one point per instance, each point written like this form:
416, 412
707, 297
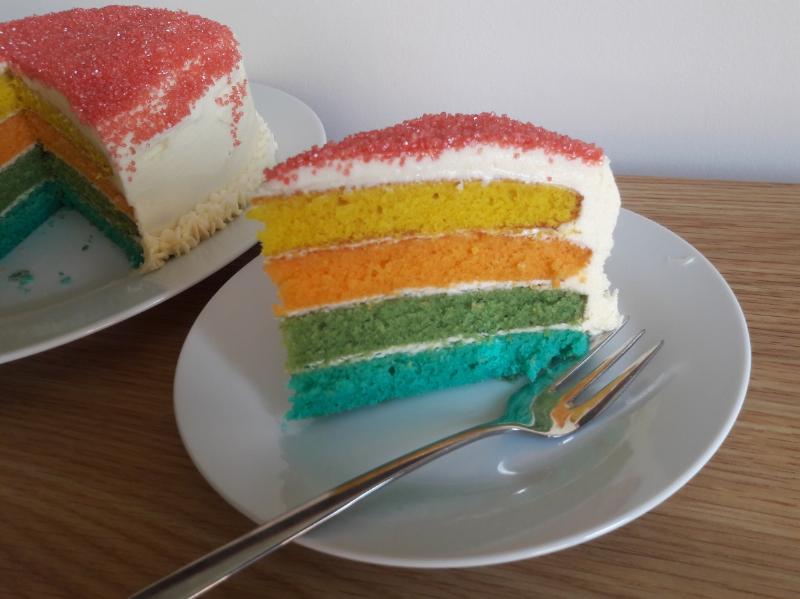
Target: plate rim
94, 326
506, 556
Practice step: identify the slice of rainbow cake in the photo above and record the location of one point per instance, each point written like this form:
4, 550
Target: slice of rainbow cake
141, 119
441, 251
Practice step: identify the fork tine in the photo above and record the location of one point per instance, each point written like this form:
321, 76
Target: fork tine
577, 389
597, 343
603, 398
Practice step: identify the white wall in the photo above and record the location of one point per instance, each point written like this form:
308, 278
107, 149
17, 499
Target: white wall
686, 88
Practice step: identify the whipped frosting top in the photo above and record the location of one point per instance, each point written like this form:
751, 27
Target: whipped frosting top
430, 135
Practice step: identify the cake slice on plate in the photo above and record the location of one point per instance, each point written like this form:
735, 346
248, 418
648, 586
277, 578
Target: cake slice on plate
141, 119
442, 251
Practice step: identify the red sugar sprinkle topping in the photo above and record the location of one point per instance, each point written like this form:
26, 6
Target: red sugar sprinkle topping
127, 71
234, 99
432, 134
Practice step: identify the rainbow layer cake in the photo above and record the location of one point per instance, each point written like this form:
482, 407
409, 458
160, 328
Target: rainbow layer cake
442, 251
141, 119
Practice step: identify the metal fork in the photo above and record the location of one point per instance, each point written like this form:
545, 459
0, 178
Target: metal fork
551, 412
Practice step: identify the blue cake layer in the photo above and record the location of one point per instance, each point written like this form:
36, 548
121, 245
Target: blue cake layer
24, 217
334, 389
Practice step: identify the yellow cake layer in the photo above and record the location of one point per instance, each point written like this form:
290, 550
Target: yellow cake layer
9, 102
16, 96
23, 129
425, 208
331, 276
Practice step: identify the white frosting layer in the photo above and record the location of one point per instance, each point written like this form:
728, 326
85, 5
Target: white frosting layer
540, 233
480, 162
19, 155
423, 291
594, 182
415, 348
19, 199
184, 165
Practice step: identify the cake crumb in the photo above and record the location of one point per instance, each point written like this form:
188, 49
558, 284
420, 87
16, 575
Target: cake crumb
23, 278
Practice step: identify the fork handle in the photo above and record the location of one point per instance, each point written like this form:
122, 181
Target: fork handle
210, 570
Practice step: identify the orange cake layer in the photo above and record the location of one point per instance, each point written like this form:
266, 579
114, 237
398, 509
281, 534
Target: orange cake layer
15, 136
332, 276
23, 129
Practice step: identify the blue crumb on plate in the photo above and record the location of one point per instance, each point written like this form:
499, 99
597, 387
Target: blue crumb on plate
64, 279
23, 278
88, 243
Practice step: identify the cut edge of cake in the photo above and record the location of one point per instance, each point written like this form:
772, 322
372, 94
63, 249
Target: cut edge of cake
339, 184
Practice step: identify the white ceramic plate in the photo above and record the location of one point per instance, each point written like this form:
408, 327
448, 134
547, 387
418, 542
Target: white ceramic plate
67, 280
502, 499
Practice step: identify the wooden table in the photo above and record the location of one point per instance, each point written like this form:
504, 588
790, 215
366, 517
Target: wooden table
98, 497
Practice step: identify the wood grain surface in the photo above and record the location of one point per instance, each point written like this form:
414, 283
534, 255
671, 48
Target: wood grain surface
98, 497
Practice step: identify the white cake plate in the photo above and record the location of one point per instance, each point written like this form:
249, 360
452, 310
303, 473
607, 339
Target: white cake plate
501, 499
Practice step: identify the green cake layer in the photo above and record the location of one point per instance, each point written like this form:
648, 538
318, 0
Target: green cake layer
21, 175
369, 327
350, 385
65, 186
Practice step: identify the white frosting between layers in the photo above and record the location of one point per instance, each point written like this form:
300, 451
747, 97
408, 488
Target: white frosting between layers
594, 182
295, 253
184, 166
456, 289
415, 348
3, 119
19, 155
21, 197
